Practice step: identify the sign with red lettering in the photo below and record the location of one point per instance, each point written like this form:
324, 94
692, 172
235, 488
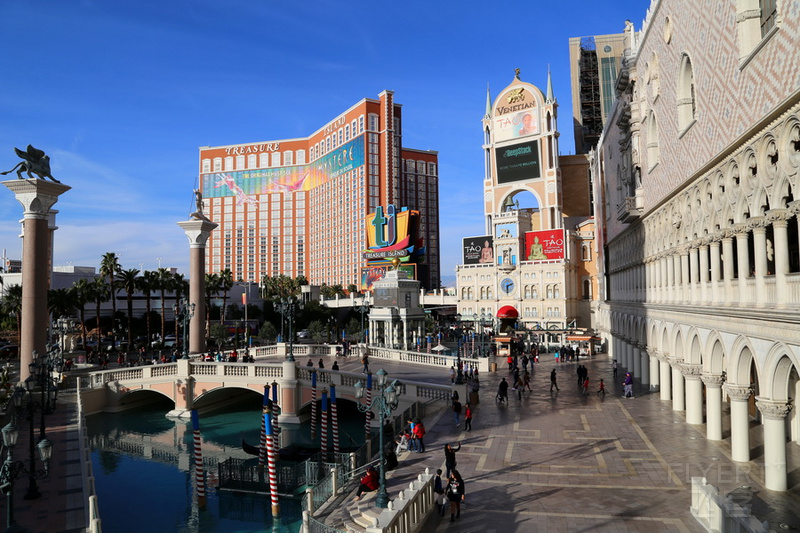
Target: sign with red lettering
543, 245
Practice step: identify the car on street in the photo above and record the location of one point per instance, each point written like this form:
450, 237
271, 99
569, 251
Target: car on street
303, 334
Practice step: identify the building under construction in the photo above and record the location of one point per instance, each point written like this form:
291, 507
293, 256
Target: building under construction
594, 63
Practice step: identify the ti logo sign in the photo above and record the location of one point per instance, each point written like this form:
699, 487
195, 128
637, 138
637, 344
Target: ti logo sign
385, 226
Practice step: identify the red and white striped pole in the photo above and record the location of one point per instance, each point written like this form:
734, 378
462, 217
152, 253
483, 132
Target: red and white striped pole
313, 404
368, 414
273, 475
323, 437
334, 420
199, 479
429, 345
262, 446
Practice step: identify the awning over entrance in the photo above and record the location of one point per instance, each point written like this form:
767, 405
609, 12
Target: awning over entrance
507, 311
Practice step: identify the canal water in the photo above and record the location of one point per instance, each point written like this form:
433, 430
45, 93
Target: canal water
144, 478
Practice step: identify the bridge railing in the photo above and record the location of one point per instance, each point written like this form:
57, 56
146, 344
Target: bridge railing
428, 359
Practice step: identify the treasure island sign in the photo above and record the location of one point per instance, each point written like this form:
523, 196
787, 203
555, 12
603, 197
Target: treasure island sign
392, 239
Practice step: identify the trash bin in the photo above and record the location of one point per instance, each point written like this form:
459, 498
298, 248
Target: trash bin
474, 398
492, 367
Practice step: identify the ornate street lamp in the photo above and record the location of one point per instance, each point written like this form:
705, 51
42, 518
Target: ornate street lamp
184, 311
290, 308
385, 401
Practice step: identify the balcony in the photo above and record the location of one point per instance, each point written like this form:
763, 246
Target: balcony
631, 209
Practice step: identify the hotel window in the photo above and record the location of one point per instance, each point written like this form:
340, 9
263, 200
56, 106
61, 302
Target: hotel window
687, 106
288, 158
228, 163
347, 132
276, 159
361, 124
263, 160
432, 169
206, 166
341, 136
652, 141
373, 122
251, 161
327, 144
217, 164
769, 12
301, 157
556, 292
239, 162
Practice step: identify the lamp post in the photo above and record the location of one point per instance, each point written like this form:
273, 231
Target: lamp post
289, 308
62, 327
363, 308
384, 401
184, 311
12, 469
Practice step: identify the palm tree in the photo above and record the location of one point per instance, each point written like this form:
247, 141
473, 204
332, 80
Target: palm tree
99, 292
12, 305
109, 267
212, 288
147, 284
181, 287
128, 281
163, 279
60, 302
225, 284
81, 294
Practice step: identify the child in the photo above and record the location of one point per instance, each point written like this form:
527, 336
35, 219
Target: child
602, 388
586, 387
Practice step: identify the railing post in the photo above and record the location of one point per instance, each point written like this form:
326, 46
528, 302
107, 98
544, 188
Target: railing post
335, 479
309, 503
306, 524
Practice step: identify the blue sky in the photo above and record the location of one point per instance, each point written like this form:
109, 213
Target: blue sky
121, 94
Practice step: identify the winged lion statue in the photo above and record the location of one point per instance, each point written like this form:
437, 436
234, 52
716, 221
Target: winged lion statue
35, 161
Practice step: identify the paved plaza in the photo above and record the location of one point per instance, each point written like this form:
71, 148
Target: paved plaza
568, 462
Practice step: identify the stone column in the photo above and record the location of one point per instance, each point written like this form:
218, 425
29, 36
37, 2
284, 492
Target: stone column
664, 378
637, 360
670, 278
684, 251
694, 274
652, 357
678, 393
37, 197
713, 383
289, 394
702, 272
677, 289
743, 264
694, 393
740, 421
781, 248
197, 231
760, 257
644, 359
774, 413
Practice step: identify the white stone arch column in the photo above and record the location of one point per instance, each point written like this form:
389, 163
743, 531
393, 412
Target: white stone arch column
702, 272
694, 393
774, 413
780, 223
742, 261
740, 421
670, 278
678, 393
713, 383
644, 361
677, 289
684, 251
714, 248
665, 378
652, 356
727, 266
760, 257
637, 360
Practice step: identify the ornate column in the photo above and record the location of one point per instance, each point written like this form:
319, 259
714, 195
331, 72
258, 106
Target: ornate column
637, 360
694, 393
644, 361
702, 272
760, 257
652, 356
664, 377
715, 277
742, 262
740, 421
678, 393
774, 413
197, 231
684, 251
670, 278
37, 197
780, 222
727, 266
694, 273
713, 384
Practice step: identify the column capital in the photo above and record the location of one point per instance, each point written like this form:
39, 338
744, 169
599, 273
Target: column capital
741, 230
738, 392
37, 196
758, 223
773, 409
691, 372
779, 216
674, 360
683, 249
198, 231
712, 381
794, 206
662, 356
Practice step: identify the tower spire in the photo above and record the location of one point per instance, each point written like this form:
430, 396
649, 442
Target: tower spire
488, 113
550, 98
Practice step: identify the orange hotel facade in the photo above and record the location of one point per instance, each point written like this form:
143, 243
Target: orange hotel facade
298, 206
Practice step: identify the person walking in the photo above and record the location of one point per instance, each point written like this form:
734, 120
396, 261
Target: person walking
614, 366
438, 489
456, 494
502, 391
602, 387
553, 382
321, 364
450, 457
628, 383
456, 411
468, 417
526, 381
365, 362
586, 386
419, 434
452, 375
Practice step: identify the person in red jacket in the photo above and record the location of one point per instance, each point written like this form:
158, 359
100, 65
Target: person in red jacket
419, 434
369, 482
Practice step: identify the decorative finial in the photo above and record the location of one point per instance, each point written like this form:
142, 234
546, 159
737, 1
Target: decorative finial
516, 73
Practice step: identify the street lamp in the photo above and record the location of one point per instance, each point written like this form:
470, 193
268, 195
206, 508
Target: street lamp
290, 308
385, 401
362, 308
184, 311
62, 327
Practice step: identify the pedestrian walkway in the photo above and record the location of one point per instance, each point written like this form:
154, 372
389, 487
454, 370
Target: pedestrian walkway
563, 461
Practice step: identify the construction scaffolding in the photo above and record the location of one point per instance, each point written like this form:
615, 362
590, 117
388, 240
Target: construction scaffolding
589, 93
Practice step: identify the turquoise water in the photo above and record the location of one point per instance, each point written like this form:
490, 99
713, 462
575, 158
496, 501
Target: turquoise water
141, 462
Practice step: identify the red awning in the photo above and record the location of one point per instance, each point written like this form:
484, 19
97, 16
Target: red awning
507, 311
